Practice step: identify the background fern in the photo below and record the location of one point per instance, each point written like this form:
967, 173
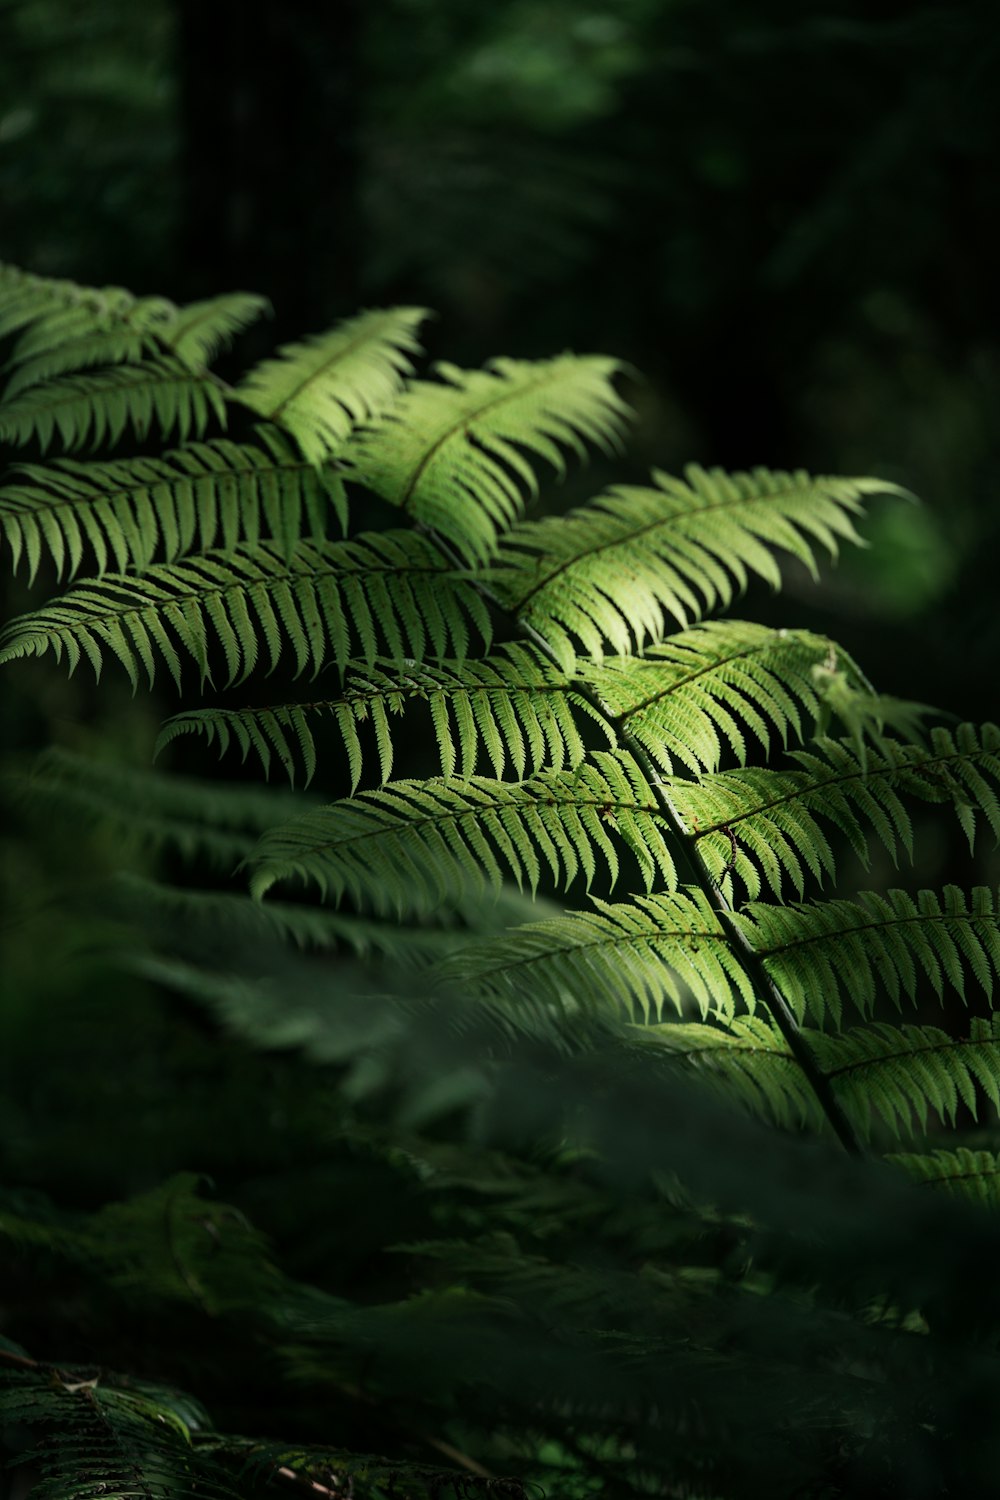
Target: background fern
614, 1127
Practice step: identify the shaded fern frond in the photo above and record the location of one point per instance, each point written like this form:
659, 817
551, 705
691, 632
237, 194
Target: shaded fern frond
415, 844
895, 1077
63, 312
656, 951
319, 389
454, 454
80, 1423
614, 570
824, 953
967, 1174
130, 510
766, 825
326, 602
100, 408
513, 708
689, 699
145, 809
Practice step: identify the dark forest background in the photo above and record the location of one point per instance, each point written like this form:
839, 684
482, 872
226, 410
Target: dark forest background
782, 215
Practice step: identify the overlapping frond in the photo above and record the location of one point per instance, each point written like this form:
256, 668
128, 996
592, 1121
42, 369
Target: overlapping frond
455, 453
319, 389
98, 409
823, 954
126, 512
637, 956
511, 709
617, 569
197, 332
64, 312
693, 698
325, 603
766, 826
416, 844
966, 1173
894, 1079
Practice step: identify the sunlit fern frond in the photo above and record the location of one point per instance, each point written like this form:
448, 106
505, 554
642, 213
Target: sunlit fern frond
765, 826
511, 709
417, 843
143, 809
891, 1080
126, 512
616, 569
198, 331
455, 454
319, 389
692, 699
325, 603
636, 956
99, 409
73, 1423
966, 1173
823, 954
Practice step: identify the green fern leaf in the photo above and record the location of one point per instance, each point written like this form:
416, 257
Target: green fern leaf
62, 312
327, 602
825, 953
452, 454
101, 408
130, 510
197, 332
764, 825
640, 956
510, 709
318, 390
614, 570
965, 1173
417, 844
691, 699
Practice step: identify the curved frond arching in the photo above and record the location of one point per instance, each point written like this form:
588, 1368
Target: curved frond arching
825, 953
198, 331
967, 1174
417, 844
319, 389
616, 569
125, 512
100, 408
639, 956
509, 709
454, 454
766, 826
65, 313
327, 602
692, 698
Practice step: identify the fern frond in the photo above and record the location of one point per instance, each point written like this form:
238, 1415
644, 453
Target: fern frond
416, 844
58, 312
88, 1435
764, 824
692, 698
101, 408
196, 819
614, 570
824, 953
453, 454
967, 1174
656, 951
319, 389
896, 1075
513, 708
129, 510
328, 601
197, 332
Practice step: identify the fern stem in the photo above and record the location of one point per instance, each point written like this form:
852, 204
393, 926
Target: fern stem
766, 991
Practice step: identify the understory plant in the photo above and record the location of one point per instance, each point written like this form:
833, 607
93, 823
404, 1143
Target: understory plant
576, 1121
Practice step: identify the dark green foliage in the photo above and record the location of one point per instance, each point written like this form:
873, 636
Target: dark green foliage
589, 1157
